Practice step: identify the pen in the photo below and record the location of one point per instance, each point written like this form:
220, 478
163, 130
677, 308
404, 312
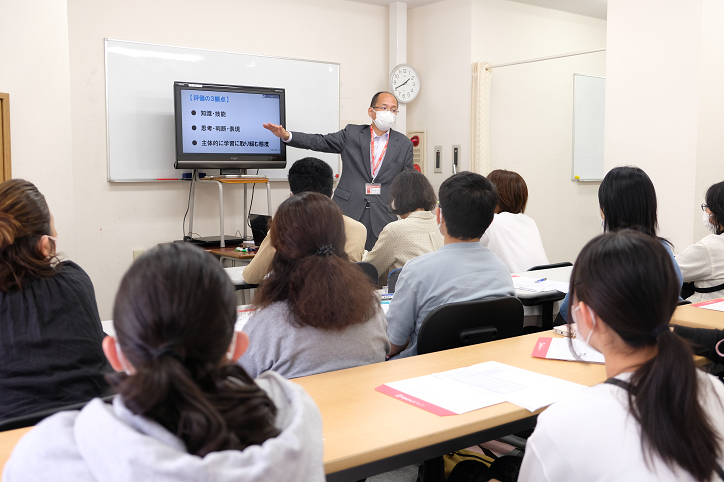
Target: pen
539, 280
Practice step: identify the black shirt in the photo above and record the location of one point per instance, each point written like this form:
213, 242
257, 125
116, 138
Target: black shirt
702, 340
50, 343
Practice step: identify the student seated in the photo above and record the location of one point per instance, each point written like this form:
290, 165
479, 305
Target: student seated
308, 175
317, 312
416, 233
184, 409
703, 263
704, 341
50, 331
462, 270
627, 200
657, 417
512, 235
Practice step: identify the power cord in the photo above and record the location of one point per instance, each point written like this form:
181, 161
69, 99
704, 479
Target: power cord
251, 203
188, 204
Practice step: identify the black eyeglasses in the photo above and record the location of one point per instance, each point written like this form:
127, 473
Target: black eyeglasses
383, 108
704, 207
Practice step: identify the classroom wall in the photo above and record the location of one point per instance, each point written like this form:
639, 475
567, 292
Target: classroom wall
114, 218
531, 122
653, 97
34, 71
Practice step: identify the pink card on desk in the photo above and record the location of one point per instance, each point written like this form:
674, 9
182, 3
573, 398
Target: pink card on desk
715, 304
414, 401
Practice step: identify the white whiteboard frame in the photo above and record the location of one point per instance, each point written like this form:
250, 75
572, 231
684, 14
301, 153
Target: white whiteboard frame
283, 172
573, 147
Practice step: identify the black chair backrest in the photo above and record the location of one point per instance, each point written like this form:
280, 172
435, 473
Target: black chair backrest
370, 270
683, 302
34, 418
392, 279
454, 325
549, 266
259, 224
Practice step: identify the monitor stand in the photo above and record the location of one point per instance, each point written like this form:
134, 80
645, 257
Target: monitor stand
233, 174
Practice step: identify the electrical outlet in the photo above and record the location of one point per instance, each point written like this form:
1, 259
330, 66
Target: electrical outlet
456, 159
438, 159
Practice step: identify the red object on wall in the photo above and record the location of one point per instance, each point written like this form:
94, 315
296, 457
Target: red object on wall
417, 168
415, 140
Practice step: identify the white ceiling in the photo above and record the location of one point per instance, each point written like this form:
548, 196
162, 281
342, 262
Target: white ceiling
590, 8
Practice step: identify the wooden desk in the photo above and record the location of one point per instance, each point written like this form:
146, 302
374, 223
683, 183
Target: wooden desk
230, 252
367, 433
8, 441
698, 317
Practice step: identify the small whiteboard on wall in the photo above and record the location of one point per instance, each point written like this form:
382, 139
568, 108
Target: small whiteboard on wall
589, 102
139, 102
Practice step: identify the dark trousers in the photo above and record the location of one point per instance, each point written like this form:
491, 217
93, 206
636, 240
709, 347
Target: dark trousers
366, 219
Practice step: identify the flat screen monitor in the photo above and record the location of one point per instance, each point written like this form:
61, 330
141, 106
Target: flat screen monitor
220, 126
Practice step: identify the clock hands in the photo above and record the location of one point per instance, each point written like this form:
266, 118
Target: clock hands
402, 84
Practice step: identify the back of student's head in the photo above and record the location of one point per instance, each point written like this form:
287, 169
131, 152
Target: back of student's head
628, 200
24, 220
627, 279
174, 318
411, 191
467, 202
715, 202
310, 269
311, 175
512, 191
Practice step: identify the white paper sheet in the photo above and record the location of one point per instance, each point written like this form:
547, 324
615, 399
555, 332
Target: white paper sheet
714, 306
533, 284
560, 350
470, 388
236, 274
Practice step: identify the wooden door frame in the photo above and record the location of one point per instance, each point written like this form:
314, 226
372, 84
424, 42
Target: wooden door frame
5, 168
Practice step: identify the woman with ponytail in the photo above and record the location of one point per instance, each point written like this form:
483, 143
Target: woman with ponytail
50, 331
184, 409
657, 417
317, 311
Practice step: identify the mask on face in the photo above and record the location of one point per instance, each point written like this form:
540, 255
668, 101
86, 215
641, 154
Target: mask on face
707, 223
384, 120
55, 241
122, 359
232, 347
602, 221
578, 325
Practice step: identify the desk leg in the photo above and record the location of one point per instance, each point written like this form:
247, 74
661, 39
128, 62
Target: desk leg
268, 197
246, 219
191, 208
221, 212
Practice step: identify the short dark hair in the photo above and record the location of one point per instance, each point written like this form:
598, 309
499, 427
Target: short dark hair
376, 97
311, 175
628, 200
411, 191
715, 202
467, 201
512, 191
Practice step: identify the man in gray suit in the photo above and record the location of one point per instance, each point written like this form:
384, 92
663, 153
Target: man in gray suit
372, 155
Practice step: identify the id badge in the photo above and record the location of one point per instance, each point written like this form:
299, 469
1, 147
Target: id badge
373, 189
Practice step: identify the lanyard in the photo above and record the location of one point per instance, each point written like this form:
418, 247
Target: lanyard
376, 165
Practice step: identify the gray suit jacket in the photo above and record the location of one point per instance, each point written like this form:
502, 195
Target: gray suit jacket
353, 143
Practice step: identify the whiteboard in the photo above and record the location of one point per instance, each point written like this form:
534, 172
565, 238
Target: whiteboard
589, 102
139, 102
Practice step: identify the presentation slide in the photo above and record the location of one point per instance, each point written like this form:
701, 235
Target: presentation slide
216, 122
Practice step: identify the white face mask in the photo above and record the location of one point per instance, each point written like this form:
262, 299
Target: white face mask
602, 221
54, 239
232, 347
707, 223
384, 120
578, 325
122, 359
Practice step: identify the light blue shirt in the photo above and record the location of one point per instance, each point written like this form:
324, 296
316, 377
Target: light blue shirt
679, 277
456, 272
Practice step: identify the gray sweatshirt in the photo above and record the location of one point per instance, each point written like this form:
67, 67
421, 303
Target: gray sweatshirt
274, 344
104, 443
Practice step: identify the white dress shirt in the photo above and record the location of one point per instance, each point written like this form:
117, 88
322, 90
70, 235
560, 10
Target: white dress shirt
592, 437
516, 240
703, 263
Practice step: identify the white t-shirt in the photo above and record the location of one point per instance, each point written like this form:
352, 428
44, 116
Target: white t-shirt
590, 436
516, 240
703, 263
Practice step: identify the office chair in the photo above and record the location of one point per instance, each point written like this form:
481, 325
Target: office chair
392, 279
371, 272
34, 418
454, 325
549, 266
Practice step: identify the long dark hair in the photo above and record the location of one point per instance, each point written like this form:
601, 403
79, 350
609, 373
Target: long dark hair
628, 280
174, 318
715, 202
411, 191
310, 268
628, 200
24, 220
